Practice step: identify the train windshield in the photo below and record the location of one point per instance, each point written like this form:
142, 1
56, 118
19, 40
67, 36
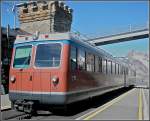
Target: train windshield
48, 55
22, 56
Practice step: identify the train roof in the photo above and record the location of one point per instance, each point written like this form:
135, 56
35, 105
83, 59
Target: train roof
64, 36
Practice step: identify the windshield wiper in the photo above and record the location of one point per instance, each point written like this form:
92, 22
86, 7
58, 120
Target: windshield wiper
26, 60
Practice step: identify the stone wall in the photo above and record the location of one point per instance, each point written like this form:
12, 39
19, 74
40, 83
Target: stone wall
45, 16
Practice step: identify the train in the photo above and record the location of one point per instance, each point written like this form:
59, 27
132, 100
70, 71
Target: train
58, 69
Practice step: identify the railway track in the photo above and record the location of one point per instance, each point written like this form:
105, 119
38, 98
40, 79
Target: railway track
15, 115
77, 110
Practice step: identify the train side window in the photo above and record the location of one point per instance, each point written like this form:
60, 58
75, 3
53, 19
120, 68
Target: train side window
121, 70
134, 73
96, 64
116, 69
73, 58
90, 62
93, 62
131, 72
104, 65
113, 68
127, 72
100, 64
81, 59
109, 67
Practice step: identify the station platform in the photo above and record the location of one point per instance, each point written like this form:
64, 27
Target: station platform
132, 105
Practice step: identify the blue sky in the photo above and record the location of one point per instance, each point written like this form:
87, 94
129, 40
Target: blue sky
93, 18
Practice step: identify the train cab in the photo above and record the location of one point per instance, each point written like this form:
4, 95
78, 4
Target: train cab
39, 70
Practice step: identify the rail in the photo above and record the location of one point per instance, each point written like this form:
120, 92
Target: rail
120, 30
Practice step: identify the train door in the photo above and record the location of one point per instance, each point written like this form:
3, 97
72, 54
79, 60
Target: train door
22, 70
41, 84
47, 59
41, 77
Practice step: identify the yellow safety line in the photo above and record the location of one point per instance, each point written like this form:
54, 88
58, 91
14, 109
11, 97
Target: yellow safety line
140, 109
107, 105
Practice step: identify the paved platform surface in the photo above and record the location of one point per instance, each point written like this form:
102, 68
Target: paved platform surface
146, 104
129, 106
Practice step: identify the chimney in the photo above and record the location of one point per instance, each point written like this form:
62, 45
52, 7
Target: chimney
45, 17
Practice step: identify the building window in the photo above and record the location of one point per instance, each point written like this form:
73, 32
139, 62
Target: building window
45, 7
35, 9
25, 10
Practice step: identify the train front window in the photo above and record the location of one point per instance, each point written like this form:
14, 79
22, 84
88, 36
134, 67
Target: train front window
48, 55
22, 56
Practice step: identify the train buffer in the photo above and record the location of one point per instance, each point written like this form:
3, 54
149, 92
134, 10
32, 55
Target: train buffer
132, 105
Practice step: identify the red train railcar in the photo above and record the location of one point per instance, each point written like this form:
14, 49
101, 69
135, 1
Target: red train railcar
56, 69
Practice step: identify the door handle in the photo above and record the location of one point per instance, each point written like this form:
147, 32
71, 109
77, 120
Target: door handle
30, 78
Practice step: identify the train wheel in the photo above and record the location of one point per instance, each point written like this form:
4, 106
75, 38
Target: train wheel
29, 108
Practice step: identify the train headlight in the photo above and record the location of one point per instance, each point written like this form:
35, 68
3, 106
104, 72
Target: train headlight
55, 80
12, 79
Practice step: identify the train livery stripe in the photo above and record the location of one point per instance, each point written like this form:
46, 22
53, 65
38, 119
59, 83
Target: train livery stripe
37, 42
61, 93
140, 109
